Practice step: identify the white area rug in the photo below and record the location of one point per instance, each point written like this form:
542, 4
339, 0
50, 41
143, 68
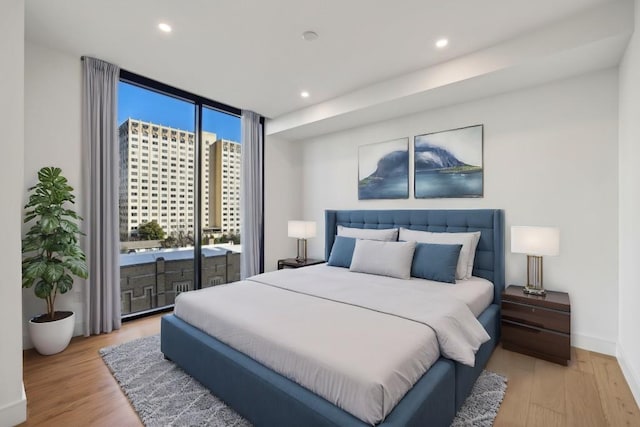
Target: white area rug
163, 395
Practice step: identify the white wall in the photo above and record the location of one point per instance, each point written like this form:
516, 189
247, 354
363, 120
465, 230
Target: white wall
13, 404
629, 211
53, 83
550, 158
282, 199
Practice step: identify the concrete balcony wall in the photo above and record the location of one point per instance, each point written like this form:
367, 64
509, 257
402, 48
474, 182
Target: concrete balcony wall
150, 281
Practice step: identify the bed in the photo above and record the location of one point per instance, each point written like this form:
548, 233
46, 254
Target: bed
265, 397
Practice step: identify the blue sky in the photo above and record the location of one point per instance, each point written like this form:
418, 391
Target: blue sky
138, 103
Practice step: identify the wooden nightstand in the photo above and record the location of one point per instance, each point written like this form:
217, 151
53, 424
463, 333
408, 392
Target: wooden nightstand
537, 326
294, 263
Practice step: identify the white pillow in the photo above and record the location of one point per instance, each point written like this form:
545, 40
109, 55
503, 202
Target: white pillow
383, 258
385, 234
469, 242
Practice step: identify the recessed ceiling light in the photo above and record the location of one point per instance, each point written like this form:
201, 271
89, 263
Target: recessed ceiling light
304, 94
310, 35
164, 27
442, 43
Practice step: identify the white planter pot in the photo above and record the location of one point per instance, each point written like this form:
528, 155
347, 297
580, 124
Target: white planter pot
52, 337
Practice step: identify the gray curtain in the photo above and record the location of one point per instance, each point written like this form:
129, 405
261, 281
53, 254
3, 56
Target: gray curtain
101, 169
251, 194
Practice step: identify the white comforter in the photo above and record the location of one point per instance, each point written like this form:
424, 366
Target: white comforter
358, 340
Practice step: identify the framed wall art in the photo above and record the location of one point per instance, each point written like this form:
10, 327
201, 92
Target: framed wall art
383, 170
449, 164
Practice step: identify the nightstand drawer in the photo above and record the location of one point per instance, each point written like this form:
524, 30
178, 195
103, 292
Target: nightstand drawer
553, 344
537, 316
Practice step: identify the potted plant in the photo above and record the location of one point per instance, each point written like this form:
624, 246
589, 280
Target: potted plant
52, 257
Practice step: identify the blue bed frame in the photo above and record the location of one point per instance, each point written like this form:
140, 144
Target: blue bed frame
268, 399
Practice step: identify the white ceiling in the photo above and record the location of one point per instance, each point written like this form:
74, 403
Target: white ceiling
250, 54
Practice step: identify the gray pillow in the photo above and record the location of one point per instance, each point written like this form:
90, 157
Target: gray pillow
383, 258
385, 234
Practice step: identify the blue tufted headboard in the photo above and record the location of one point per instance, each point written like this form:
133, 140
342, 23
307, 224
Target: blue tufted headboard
489, 261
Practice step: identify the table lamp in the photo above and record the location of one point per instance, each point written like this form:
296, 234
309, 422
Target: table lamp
302, 230
535, 242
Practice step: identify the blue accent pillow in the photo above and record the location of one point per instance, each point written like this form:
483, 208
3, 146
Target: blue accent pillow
342, 251
436, 262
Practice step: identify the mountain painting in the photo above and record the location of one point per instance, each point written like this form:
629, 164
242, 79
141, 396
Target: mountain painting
383, 170
449, 163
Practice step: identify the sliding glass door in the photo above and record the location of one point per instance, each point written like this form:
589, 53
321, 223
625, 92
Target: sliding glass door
179, 194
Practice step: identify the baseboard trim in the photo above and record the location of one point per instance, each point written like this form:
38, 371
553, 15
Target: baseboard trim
590, 343
632, 377
14, 413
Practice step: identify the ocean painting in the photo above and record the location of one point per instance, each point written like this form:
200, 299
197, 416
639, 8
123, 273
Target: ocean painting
383, 170
449, 163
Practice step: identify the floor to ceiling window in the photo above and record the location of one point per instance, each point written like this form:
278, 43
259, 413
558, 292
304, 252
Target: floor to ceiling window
220, 195
179, 206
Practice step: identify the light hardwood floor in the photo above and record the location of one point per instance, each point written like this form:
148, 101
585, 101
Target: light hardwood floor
75, 388
591, 391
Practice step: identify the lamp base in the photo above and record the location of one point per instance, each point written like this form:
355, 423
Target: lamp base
530, 290
302, 257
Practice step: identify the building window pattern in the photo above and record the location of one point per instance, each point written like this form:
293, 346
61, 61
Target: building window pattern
177, 172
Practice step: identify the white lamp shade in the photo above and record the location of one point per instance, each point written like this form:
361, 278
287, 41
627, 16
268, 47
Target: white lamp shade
302, 229
539, 241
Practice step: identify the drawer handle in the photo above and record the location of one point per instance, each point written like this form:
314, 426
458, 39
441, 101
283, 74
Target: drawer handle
515, 319
533, 310
530, 329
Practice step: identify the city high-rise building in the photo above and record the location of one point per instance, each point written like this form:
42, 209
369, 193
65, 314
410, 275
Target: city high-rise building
224, 192
157, 179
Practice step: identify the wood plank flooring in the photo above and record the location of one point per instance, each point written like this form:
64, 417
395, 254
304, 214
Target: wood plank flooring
75, 388
591, 391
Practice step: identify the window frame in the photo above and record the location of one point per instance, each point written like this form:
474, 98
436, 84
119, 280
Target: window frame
199, 102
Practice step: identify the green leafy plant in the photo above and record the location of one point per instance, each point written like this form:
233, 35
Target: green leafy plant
151, 231
51, 249
226, 238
